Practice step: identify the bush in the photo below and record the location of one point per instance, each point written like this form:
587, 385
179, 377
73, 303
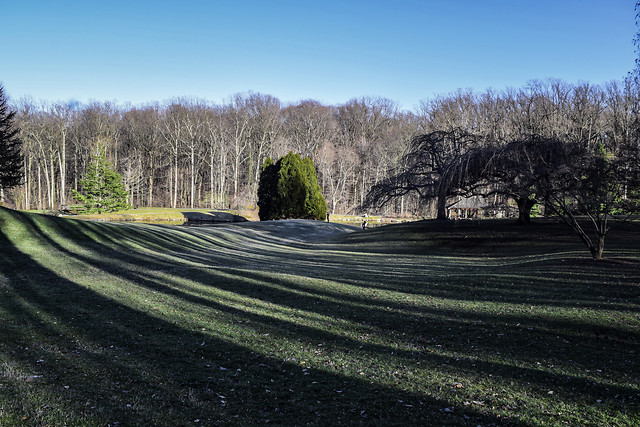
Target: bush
289, 189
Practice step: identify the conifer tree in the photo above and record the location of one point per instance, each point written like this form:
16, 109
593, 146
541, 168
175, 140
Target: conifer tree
267, 189
11, 163
102, 189
289, 189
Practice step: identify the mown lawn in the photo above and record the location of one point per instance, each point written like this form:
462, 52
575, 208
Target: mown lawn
298, 322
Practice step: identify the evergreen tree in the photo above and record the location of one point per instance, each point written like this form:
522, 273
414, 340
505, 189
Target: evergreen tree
289, 189
102, 189
314, 204
267, 189
11, 162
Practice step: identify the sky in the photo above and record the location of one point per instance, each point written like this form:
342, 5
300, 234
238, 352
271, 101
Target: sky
146, 51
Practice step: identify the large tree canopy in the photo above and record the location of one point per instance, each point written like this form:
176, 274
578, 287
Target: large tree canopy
289, 189
11, 161
427, 168
574, 179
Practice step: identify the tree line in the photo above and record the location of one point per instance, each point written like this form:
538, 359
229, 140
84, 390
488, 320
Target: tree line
191, 153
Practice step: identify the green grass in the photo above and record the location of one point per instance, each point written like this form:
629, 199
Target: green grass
297, 322
174, 216
167, 215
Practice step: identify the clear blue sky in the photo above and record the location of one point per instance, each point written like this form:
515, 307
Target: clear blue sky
406, 50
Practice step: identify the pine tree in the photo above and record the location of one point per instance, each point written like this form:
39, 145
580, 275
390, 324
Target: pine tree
289, 189
102, 189
11, 161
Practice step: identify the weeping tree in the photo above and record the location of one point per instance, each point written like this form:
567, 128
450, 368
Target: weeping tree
515, 170
289, 189
102, 189
428, 169
582, 183
596, 184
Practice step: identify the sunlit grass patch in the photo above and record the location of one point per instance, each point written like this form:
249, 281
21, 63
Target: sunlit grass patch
159, 215
305, 323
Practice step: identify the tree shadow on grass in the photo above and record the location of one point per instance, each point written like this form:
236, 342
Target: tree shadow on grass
502, 293
105, 362
458, 332
545, 281
212, 216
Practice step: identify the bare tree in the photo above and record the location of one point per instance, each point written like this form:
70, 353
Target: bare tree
364, 124
216, 158
265, 126
142, 152
428, 169
61, 116
238, 122
307, 125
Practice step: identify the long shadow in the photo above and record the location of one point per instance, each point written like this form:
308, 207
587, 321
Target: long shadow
213, 216
555, 328
283, 296
384, 320
581, 286
153, 372
566, 329
390, 321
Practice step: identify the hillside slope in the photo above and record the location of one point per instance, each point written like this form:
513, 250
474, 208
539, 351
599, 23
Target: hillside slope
298, 322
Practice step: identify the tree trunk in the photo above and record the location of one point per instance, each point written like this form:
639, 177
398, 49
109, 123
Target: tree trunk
27, 180
45, 166
193, 176
151, 175
211, 180
62, 159
150, 196
441, 207
174, 203
39, 188
524, 210
223, 182
53, 183
596, 252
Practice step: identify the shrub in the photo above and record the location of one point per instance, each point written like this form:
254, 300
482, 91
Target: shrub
289, 189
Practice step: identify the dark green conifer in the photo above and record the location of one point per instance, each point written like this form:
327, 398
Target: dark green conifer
267, 189
289, 189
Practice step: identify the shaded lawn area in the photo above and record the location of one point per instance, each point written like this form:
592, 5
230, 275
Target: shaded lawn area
297, 322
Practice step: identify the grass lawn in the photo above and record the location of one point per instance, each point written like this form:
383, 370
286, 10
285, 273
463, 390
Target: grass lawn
300, 322
171, 215
175, 216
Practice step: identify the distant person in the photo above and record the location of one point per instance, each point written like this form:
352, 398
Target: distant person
364, 224
327, 216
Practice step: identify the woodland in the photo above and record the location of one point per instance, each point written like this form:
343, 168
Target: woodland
191, 153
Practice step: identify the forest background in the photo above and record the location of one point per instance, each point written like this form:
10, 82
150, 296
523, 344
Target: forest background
191, 153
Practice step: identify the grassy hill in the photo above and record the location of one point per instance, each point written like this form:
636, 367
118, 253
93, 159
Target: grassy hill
299, 322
